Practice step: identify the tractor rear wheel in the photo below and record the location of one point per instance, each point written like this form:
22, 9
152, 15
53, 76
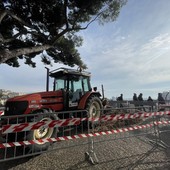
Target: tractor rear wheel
94, 106
41, 133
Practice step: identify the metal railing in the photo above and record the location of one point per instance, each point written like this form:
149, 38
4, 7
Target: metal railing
125, 125
28, 135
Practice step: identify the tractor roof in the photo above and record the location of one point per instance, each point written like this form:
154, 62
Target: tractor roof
66, 71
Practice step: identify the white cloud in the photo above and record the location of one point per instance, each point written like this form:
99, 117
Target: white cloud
126, 65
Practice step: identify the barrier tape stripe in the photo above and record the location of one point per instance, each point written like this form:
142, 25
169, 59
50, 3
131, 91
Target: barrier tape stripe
78, 136
1, 112
130, 116
11, 128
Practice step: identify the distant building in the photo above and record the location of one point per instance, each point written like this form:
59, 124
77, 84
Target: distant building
114, 98
2, 102
6, 94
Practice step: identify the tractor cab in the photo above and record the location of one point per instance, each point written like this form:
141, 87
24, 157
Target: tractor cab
73, 83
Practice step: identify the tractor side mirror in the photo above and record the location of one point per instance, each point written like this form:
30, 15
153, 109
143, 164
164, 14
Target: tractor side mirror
95, 88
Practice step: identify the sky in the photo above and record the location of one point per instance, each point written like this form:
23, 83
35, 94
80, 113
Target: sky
130, 55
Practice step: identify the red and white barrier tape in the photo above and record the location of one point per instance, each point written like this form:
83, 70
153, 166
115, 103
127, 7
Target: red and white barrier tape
11, 128
129, 116
1, 112
78, 136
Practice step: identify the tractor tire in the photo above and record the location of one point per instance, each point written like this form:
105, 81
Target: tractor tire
41, 133
94, 107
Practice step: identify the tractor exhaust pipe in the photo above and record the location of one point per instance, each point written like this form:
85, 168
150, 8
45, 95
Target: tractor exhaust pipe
103, 91
47, 80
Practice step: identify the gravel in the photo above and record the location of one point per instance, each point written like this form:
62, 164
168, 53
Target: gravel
130, 150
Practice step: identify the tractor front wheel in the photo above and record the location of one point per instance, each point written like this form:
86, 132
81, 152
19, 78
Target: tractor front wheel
94, 106
38, 135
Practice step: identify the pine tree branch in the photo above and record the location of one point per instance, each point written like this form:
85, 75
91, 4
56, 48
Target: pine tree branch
7, 54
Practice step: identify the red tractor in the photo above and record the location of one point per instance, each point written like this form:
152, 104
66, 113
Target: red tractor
71, 91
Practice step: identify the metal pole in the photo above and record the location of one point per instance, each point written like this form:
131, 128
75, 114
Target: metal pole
102, 91
47, 80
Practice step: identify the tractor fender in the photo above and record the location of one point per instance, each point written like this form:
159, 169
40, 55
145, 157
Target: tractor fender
83, 100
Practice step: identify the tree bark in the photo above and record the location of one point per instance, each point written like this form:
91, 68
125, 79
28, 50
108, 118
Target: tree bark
6, 54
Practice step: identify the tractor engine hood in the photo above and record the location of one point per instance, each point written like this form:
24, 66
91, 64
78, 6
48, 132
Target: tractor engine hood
27, 103
37, 97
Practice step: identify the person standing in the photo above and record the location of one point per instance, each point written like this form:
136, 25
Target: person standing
150, 99
140, 98
160, 99
120, 98
135, 97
